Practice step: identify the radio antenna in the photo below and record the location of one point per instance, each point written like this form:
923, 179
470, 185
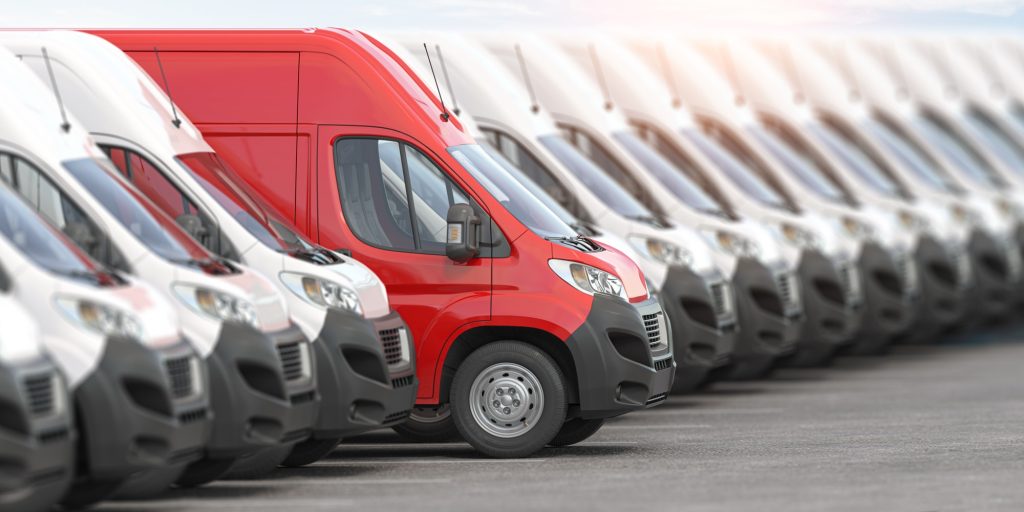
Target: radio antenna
451, 89
534, 107
167, 88
444, 110
600, 77
64, 125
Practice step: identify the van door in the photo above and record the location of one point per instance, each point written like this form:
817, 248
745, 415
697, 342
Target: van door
386, 201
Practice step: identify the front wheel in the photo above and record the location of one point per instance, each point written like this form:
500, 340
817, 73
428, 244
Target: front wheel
508, 399
433, 424
576, 431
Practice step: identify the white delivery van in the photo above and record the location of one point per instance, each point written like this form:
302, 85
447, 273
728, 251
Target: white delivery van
262, 372
364, 356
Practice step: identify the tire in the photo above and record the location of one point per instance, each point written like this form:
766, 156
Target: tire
84, 495
204, 471
504, 372
258, 464
149, 484
310, 451
429, 425
576, 431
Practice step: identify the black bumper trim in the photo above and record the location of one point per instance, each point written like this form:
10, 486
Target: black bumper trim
701, 338
374, 397
610, 384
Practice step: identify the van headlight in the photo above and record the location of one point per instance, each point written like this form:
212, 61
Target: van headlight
733, 244
588, 279
913, 222
857, 229
323, 293
799, 237
660, 250
218, 305
100, 318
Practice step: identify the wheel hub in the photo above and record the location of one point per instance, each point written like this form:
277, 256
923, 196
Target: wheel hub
506, 400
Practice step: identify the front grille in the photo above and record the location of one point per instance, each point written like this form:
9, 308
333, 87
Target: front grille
788, 291
963, 269
395, 416
656, 398
721, 295
402, 382
850, 279
51, 436
663, 364
192, 416
303, 398
908, 274
1013, 262
41, 393
654, 324
294, 361
393, 342
180, 372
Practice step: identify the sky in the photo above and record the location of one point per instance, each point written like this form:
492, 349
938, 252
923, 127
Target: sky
702, 15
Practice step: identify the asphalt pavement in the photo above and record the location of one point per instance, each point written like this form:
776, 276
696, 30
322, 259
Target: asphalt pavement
937, 428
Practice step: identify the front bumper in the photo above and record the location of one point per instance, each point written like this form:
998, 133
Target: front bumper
891, 294
142, 409
359, 389
945, 279
37, 439
256, 404
769, 310
703, 318
832, 304
996, 278
618, 370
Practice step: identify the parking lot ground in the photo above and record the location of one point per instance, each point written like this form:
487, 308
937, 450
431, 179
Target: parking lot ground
935, 428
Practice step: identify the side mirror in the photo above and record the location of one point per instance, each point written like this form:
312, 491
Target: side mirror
193, 225
82, 236
463, 241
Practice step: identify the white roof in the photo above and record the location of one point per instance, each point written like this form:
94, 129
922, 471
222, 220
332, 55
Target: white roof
95, 78
30, 117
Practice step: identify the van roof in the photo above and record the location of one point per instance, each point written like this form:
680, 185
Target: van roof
411, 106
30, 118
109, 93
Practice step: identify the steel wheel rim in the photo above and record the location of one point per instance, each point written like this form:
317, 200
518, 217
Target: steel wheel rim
507, 400
435, 414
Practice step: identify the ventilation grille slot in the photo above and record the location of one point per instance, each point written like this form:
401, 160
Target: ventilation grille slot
654, 324
721, 295
293, 360
180, 372
788, 291
393, 342
40, 390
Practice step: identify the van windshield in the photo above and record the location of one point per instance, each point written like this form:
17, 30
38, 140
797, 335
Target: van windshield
542, 196
913, 156
39, 242
736, 169
136, 213
800, 160
510, 193
234, 195
959, 151
673, 178
1004, 145
605, 188
857, 157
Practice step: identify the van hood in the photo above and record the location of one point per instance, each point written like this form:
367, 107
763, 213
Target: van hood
248, 285
371, 291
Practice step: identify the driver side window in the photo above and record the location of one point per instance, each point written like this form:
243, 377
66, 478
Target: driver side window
152, 182
58, 209
394, 197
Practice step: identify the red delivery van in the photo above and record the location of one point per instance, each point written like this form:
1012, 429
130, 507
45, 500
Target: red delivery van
526, 333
